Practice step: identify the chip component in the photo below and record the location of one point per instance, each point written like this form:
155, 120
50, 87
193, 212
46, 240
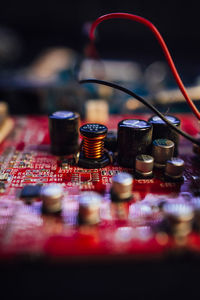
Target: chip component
30, 191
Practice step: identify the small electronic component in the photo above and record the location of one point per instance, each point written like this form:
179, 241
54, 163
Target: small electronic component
2, 187
65, 164
4, 177
144, 166
162, 131
162, 151
121, 190
51, 196
92, 154
178, 218
30, 191
63, 129
110, 142
134, 137
174, 168
89, 208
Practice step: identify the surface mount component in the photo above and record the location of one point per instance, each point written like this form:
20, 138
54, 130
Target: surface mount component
63, 129
92, 153
162, 151
144, 166
89, 208
134, 137
30, 191
178, 218
51, 196
162, 131
110, 142
121, 190
174, 168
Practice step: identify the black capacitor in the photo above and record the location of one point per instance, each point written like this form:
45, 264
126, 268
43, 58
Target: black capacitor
64, 132
134, 137
110, 142
162, 131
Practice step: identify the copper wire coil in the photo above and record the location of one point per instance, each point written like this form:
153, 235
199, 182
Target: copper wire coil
93, 147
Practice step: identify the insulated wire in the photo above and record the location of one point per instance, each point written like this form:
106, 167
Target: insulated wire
162, 43
143, 101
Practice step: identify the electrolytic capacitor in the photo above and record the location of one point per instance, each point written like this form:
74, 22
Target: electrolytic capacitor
178, 218
134, 137
174, 168
162, 151
110, 142
51, 196
89, 208
121, 190
144, 166
162, 131
64, 132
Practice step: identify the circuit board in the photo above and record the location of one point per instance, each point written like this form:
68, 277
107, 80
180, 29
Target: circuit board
125, 230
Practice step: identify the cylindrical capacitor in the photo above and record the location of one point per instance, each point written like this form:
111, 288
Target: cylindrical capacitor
89, 208
110, 142
144, 165
51, 196
162, 151
134, 137
174, 168
121, 190
64, 132
179, 218
162, 131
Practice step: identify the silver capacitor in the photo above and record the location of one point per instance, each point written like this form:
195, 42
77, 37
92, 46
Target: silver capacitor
89, 208
144, 165
179, 216
174, 168
162, 151
51, 196
121, 190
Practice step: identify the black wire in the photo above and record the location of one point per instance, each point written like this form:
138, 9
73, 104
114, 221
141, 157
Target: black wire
142, 100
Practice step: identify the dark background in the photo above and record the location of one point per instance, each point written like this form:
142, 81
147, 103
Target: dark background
37, 25
46, 23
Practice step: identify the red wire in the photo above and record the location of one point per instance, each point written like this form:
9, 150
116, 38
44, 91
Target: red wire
161, 42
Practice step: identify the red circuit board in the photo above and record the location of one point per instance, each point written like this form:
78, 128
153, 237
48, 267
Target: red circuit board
125, 231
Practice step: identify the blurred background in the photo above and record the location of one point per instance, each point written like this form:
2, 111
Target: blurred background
43, 52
